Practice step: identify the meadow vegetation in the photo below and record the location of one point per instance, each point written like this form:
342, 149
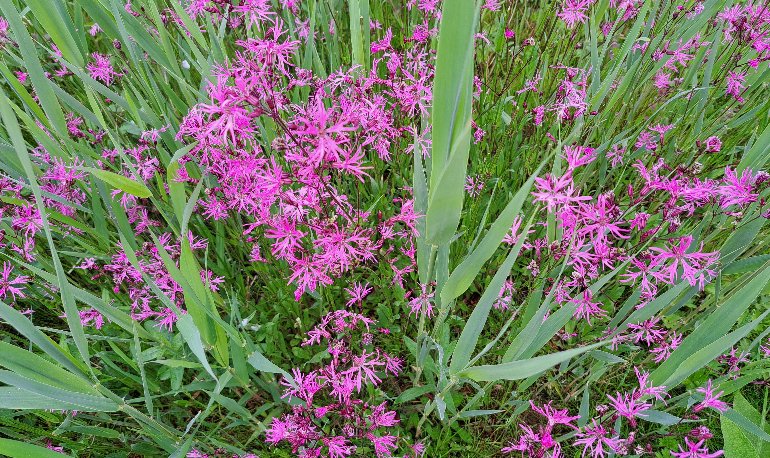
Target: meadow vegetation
342, 228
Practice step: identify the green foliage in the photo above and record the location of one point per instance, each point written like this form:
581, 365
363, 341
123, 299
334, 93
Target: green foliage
471, 370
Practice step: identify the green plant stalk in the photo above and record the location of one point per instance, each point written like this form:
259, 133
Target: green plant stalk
421, 334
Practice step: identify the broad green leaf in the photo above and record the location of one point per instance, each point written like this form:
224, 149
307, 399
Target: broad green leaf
420, 187
260, 363
32, 366
745, 265
740, 240
21, 323
451, 118
356, 36
736, 442
479, 413
18, 399
758, 154
16, 449
742, 436
659, 417
744, 407
414, 393
445, 201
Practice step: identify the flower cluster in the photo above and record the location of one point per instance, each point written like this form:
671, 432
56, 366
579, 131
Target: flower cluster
599, 436
330, 411
292, 199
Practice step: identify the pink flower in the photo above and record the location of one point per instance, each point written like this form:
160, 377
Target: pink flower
556, 191
647, 140
492, 5
3, 30
676, 256
534, 444
474, 186
629, 405
539, 113
91, 316
555, 416
101, 69
665, 348
710, 399
338, 447
737, 190
646, 388
646, 331
615, 155
695, 450
662, 80
422, 304
49, 445
577, 156
383, 445
307, 275
11, 286
713, 144
733, 360
531, 84
364, 369
287, 238
735, 87
393, 364
586, 309
573, 12
597, 441
357, 293
255, 11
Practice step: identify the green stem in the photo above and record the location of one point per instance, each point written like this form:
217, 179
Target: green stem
421, 334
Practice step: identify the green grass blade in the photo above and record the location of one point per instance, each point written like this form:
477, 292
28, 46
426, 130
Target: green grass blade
462, 276
53, 111
21, 323
16, 449
716, 325
519, 370
704, 355
79, 401
475, 324
57, 23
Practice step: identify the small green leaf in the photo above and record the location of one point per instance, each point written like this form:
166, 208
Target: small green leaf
661, 418
122, 183
193, 338
414, 393
260, 363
